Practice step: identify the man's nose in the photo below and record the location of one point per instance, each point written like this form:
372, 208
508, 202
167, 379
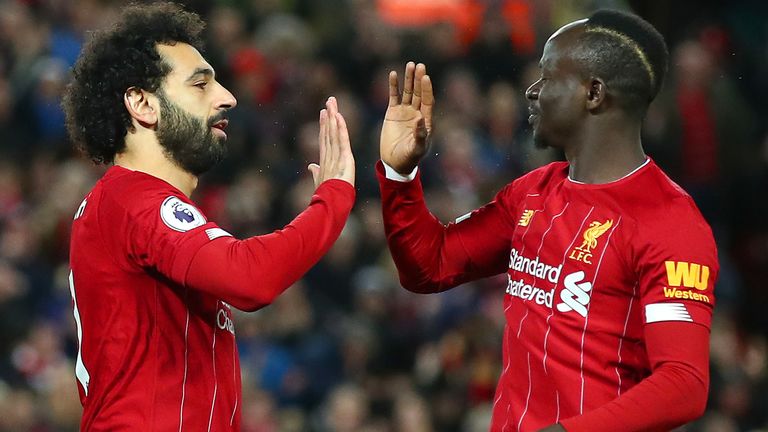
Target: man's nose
226, 99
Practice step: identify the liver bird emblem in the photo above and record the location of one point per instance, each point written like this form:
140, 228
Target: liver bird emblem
595, 230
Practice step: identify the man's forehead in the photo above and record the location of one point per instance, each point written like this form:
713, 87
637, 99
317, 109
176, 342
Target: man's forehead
183, 58
563, 35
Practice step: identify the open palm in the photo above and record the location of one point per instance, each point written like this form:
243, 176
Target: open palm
407, 127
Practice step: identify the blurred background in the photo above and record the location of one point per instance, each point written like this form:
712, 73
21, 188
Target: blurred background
346, 348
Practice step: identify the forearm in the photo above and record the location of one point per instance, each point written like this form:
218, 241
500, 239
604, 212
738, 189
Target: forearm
675, 393
420, 244
250, 273
669, 398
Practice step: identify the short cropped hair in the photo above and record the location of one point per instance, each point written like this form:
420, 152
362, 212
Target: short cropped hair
114, 60
628, 53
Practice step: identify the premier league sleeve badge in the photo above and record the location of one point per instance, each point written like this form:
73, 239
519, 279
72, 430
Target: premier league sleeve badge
180, 216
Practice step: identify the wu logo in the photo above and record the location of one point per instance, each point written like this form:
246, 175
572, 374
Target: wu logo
525, 219
689, 275
583, 252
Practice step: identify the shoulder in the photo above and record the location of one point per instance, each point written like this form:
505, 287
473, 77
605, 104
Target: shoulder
139, 196
133, 186
663, 203
667, 218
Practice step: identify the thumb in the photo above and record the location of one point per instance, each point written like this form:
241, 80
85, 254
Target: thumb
315, 170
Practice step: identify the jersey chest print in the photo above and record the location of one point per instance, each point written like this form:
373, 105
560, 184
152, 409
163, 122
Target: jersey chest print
557, 252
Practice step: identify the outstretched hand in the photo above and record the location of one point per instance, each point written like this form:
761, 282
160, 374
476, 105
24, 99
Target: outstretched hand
336, 159
407, 128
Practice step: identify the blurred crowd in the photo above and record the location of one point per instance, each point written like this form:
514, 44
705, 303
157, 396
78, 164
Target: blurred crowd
347, 349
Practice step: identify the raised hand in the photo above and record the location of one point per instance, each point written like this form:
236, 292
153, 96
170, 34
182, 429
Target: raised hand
336, 159
407, 127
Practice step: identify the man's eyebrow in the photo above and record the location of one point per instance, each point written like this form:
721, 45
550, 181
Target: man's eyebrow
205, 71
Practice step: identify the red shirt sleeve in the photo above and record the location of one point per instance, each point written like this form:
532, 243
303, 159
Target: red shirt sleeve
676, 261
675, 392
432, 257
166, 233
250, 273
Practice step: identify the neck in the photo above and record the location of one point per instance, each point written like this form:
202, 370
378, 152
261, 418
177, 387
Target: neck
145, 154
603, 155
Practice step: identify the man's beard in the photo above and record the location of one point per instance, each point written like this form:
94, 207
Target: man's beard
187, 140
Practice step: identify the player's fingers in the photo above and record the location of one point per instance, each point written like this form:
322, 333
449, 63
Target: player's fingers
427, 101
347, 161
333, 147
410, 67
315, 170
344, 143
323, 137
394, 92
421, 70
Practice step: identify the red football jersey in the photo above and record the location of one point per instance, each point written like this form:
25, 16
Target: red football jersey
152, 282
589, 268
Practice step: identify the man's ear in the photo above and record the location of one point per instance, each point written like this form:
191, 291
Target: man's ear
141, 106
597, 92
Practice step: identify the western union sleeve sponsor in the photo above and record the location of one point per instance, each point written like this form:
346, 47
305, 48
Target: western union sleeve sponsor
674, 293
689, 275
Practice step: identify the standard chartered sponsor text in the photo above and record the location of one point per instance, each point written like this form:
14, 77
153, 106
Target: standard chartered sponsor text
529, 292
533, 267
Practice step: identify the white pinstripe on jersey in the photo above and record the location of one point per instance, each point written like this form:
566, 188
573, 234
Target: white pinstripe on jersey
586, 319
624, 334
506, 330
234, 379
552, 311
538, 253
215, 380
528, 398
186, 352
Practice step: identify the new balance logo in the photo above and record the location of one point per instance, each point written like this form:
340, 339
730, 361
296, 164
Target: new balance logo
525, 219
575, 295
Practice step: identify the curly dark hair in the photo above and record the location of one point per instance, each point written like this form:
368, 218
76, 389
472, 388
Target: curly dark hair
116, 59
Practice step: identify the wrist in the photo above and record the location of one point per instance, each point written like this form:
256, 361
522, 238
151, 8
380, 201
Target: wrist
393, 174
